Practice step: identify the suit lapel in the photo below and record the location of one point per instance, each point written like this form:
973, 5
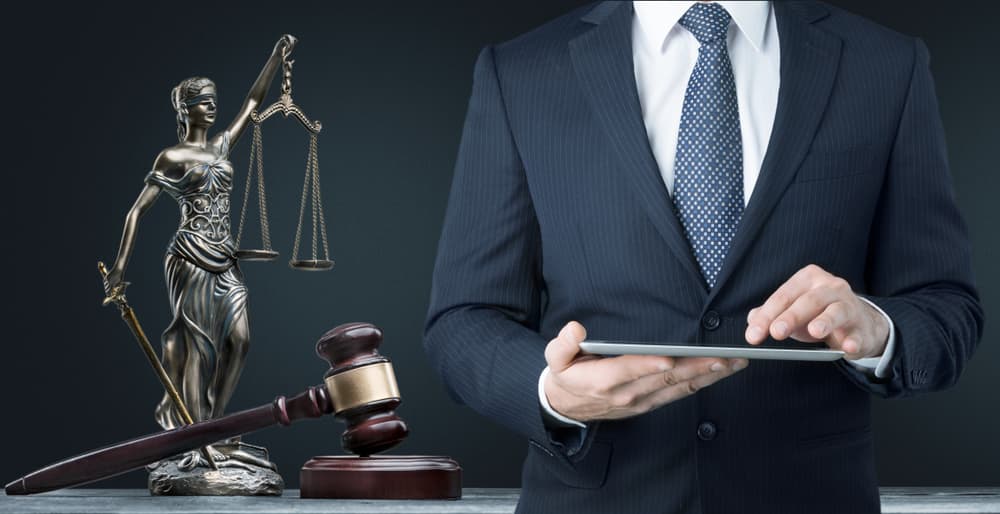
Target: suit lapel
602, 59
809, 61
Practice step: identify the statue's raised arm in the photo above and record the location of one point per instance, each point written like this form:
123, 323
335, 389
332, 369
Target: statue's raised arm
282, 49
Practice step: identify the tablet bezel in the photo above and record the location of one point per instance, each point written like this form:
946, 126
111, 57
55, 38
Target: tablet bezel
600, 347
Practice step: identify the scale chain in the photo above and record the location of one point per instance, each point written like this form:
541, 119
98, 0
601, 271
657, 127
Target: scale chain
318, 201
312, 148
256, 158
302, 204
265, 230
246, 189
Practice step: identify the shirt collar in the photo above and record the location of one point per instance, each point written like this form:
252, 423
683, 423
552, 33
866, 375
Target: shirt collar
658, 18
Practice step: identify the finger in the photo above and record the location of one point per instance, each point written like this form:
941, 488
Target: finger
682, 389
561, 351
806, 307
609, 374
852, 344
849, 336
833, 317
684, 370
575, 331
761, 318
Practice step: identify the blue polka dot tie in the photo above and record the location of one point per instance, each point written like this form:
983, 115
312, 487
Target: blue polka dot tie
708, 170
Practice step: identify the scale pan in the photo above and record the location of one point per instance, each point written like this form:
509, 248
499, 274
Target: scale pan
256, 255
311, 264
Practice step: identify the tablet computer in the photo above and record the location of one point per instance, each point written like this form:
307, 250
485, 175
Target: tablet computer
821, 353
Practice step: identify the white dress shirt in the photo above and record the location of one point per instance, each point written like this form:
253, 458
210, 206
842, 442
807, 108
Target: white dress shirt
664, 54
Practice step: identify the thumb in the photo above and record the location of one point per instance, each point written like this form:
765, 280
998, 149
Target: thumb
561, 351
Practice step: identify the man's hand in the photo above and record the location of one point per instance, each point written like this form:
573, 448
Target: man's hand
815, 306
587, 387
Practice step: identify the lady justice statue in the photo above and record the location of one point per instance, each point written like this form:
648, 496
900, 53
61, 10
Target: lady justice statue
205, 346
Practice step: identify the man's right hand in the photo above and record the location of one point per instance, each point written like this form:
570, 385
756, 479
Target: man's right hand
587, 387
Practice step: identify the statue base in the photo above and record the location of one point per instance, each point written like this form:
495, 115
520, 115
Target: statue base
382, 477
172, 478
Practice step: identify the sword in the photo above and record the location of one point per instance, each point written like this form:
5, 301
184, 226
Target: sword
116, 295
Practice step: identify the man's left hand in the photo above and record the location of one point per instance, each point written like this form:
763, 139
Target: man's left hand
815, 306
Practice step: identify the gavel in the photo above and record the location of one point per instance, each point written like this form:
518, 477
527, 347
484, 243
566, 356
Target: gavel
360, 389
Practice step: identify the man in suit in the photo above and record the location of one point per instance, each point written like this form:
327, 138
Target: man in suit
712, 173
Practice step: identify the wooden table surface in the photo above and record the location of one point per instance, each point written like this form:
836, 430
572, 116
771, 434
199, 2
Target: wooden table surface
923, 500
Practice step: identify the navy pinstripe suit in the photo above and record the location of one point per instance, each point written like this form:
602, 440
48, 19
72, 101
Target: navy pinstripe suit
557, 212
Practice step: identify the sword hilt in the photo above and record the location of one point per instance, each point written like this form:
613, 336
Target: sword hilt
112, 294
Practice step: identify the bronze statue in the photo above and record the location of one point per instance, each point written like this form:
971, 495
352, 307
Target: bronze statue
205, 346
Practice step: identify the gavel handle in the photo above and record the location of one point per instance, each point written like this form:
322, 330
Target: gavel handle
136, 453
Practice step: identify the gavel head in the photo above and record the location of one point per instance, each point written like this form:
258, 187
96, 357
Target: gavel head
362, 388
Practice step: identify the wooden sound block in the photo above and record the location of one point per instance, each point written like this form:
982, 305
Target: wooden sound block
382, 477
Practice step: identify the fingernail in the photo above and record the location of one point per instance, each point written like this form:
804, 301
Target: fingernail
755, 333
781, 328
717, 366
740, 364
820, 328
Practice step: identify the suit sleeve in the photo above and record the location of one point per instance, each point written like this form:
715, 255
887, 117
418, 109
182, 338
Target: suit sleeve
919, 268
481, 333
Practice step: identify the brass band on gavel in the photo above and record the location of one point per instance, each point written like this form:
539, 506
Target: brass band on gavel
363, 385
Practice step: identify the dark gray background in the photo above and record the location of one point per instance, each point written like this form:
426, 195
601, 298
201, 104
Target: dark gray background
87, 95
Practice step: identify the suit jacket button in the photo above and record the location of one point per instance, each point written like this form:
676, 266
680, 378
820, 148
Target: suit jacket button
706, 431
711, 320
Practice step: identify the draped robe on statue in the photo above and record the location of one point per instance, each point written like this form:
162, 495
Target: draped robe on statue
204, 345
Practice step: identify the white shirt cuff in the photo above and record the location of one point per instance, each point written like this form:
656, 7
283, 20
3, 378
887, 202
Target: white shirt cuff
878, 363
548, 408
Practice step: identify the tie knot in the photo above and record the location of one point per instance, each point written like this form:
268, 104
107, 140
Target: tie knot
707, 21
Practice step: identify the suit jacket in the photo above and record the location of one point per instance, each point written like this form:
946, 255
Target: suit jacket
557, 213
